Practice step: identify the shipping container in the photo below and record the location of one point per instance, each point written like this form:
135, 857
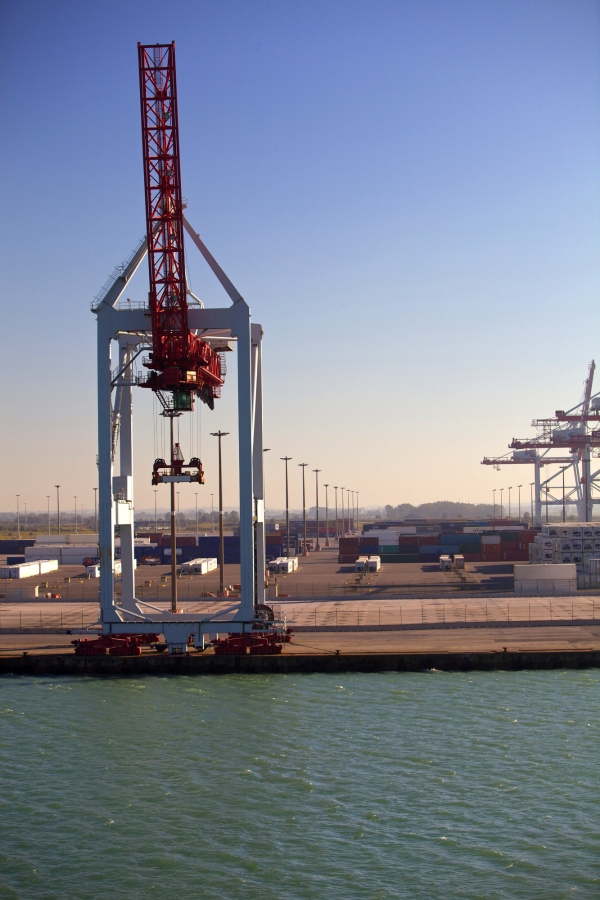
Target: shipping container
374, 564
445, 562
361, 564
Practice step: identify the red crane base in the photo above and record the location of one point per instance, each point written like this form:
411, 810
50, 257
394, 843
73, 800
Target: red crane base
114, 645
262, 644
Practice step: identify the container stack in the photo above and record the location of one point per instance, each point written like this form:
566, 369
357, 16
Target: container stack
423, 543
578, 543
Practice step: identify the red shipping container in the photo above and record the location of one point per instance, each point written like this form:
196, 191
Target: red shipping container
516, 556
348, 545
370, 541
472, 557
347, 558
491, 553
509, 546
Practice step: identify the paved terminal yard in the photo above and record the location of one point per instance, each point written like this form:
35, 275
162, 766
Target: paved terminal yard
405, 610
318, 575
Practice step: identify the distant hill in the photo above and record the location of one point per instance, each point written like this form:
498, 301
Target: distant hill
441, 509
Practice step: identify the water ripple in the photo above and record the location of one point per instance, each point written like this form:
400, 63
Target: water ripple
368, 787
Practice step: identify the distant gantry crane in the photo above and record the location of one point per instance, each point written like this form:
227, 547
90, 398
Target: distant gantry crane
573, 432
185, 362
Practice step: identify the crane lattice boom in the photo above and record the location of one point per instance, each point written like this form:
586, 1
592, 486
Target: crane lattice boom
182, 364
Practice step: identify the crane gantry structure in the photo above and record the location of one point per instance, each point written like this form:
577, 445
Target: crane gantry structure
571, 431
185, 362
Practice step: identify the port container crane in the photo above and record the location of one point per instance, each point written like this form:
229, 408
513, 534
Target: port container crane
185, 363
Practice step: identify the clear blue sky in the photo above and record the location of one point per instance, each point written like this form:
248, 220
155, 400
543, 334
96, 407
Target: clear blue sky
406, 193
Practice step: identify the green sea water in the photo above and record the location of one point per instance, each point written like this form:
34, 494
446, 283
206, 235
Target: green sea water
350, 786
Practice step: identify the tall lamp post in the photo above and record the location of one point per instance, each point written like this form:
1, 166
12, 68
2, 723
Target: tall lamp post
48, 499
357, 513
304, 549
343, 520
519, 487
494, 496
509, 490
57, 486
326, 515
18, 518
286, 460
351, 517
531, 484
501, 503
337, 527
316, 471
220, 435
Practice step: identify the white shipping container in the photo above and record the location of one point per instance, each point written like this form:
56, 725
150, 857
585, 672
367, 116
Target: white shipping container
93, 571
48, 565
212, 563
361, 564
374, 564
459, 561
82, 538
188, 567
25, 570
445, 562
287, 565
560, 572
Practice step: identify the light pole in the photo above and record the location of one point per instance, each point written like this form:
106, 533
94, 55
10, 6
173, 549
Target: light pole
494, 496
196, 495
326, 515
357, 514
286, 459
48, 499
18, 518
531, 484
304, 550
509, 490
265, 450
221, 435
57, 486
501, 503
519, 487
337, 527
96, 510
316, 471
155, 512
75, 499
351, 518
343, 520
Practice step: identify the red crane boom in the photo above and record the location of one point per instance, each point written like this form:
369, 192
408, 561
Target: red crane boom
182, 364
